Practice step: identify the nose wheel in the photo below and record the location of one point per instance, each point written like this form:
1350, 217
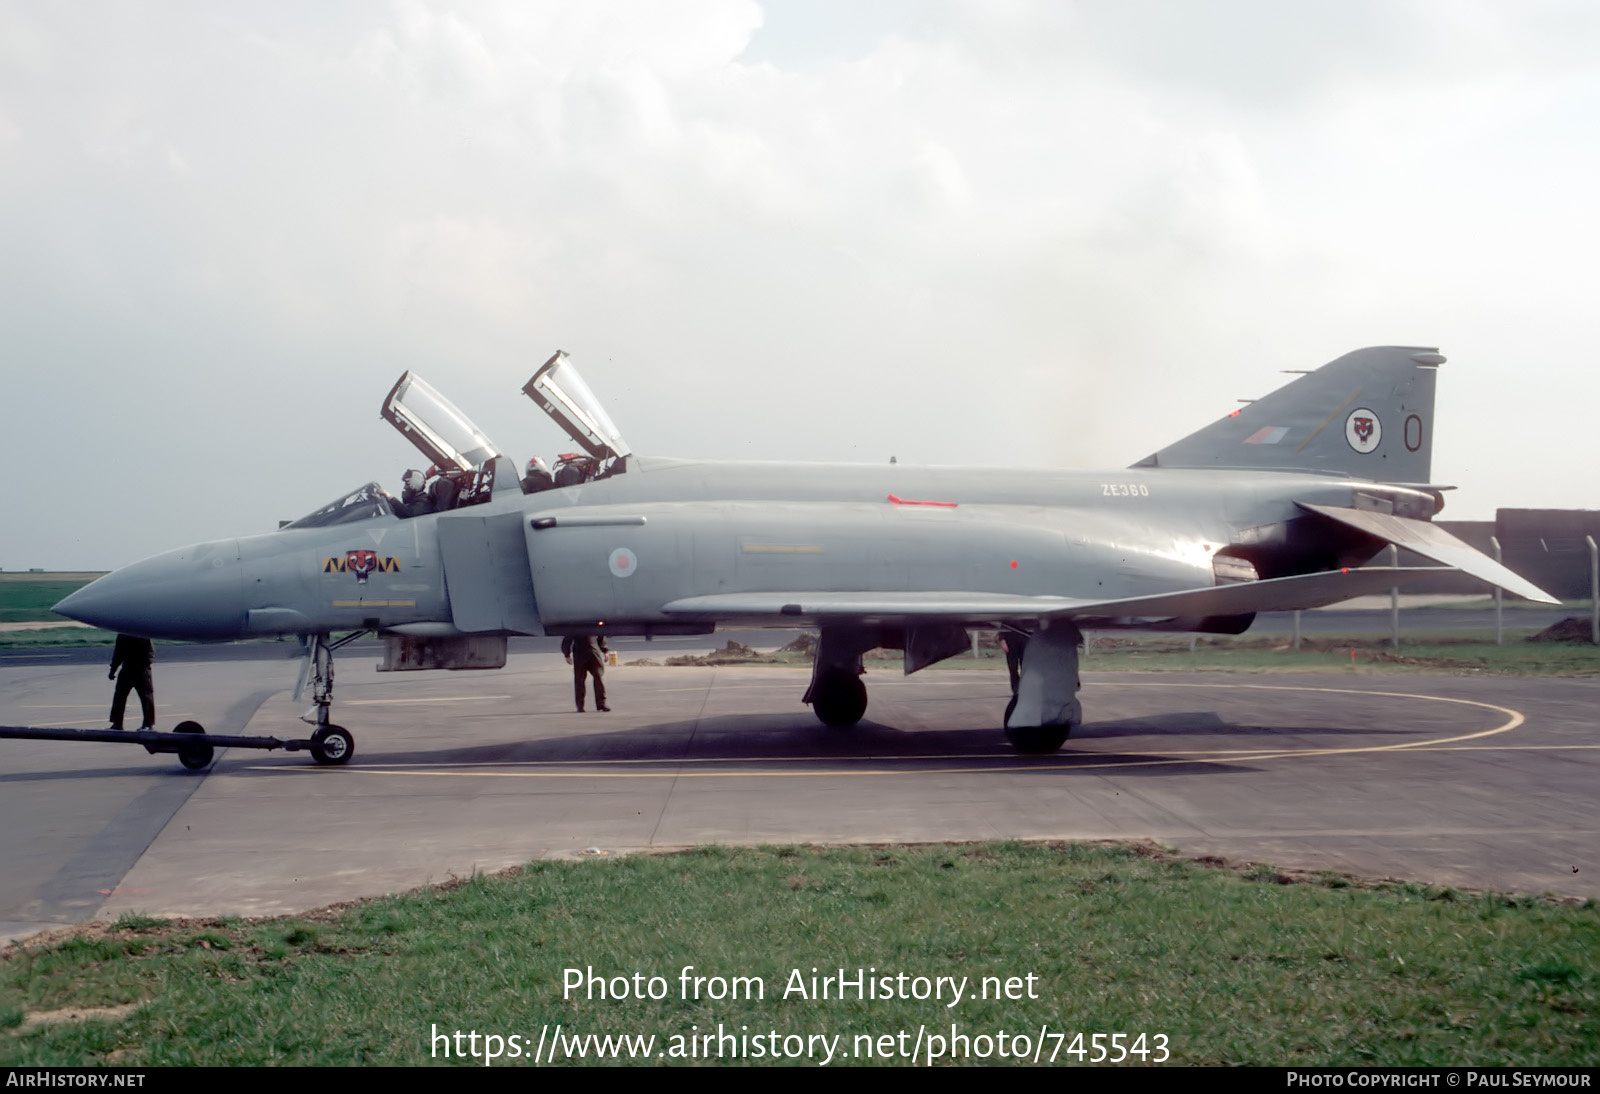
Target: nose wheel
331, 745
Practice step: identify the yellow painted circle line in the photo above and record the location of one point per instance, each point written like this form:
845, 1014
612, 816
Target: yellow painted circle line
1018, 765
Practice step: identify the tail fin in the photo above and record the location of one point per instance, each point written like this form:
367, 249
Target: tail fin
1368, 414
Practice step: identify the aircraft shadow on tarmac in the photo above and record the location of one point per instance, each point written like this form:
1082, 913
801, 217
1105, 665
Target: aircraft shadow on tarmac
796, 742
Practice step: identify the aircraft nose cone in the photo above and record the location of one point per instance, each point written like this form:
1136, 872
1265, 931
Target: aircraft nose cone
195, 593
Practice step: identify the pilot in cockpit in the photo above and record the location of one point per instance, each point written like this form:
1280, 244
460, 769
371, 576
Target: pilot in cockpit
538, 477
414, 499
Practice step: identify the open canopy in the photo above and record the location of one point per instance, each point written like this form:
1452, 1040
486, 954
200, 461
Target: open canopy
562, 394
432, 423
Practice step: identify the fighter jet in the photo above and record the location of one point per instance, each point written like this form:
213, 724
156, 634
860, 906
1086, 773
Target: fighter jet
1277, 506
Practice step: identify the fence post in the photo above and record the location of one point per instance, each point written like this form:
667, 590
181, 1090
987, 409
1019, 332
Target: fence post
1594, 591
1499, 598
1394, 601
1296, 630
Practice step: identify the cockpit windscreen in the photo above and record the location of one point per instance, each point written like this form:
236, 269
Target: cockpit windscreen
369, 501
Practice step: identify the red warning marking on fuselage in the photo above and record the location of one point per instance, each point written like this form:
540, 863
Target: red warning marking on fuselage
907, 501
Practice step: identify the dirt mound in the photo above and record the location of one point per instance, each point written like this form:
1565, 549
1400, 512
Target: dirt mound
734, 653
1571, 629
805, 642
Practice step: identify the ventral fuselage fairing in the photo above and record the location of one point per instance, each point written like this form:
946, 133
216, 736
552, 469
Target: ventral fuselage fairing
1277, 506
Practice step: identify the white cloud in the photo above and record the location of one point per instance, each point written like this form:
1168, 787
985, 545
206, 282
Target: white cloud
960, 232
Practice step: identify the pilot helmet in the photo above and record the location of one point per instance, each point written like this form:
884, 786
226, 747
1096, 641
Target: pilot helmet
415, 480
536, 466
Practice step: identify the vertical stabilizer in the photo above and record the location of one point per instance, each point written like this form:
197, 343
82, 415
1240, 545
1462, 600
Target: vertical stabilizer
1368, 414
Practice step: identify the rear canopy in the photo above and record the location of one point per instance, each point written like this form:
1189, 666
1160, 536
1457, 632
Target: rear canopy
561, 393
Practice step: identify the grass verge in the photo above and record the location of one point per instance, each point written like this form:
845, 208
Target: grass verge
1231, 966
1430, 653
28, 598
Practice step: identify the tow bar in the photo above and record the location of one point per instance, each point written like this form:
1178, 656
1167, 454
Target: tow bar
193, 746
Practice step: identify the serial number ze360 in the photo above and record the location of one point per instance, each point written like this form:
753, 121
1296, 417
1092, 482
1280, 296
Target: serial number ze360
1124, 490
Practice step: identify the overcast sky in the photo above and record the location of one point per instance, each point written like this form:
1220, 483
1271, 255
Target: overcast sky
999, 233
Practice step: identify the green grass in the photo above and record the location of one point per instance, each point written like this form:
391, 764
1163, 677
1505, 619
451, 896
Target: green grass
1509, 603
1432, 653
1419, 653
66, 637
27, 598
1233, 967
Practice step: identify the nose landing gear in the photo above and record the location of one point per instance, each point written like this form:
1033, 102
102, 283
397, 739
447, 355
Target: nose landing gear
330, 744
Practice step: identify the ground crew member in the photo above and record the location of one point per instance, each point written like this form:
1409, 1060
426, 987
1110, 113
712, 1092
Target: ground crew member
1015, 644
586, 653
134, 656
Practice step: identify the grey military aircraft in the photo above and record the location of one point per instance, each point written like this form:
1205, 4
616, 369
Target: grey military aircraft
1277, 506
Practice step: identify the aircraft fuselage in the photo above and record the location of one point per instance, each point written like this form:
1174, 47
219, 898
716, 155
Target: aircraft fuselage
610, 554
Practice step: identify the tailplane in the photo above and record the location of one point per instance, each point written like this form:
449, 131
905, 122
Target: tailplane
1368, 414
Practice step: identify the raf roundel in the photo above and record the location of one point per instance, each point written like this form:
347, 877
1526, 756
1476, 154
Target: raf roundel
623, 562
1363, 430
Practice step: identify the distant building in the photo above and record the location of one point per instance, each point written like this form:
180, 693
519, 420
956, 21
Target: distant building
1550, 547
1546, 546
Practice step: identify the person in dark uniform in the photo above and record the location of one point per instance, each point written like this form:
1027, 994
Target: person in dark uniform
586, 654
1015, 644
134, 656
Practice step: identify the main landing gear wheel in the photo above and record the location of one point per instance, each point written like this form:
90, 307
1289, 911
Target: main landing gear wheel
332, 745
840, 700
1036, 740
197, 755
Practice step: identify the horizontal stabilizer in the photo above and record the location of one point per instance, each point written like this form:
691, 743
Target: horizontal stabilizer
1432, 542
1280, 594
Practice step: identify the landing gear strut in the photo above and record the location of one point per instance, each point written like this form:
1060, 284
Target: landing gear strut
1045, 708
330, 744
837, 695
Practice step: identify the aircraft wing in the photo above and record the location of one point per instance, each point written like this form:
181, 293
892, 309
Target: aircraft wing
1273, 595
1432, 542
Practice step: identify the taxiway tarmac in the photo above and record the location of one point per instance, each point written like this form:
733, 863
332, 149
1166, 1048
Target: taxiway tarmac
1478, 782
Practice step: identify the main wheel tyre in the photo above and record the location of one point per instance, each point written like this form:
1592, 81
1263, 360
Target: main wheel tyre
332, 745
197, 755
840, 700
1037, 739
